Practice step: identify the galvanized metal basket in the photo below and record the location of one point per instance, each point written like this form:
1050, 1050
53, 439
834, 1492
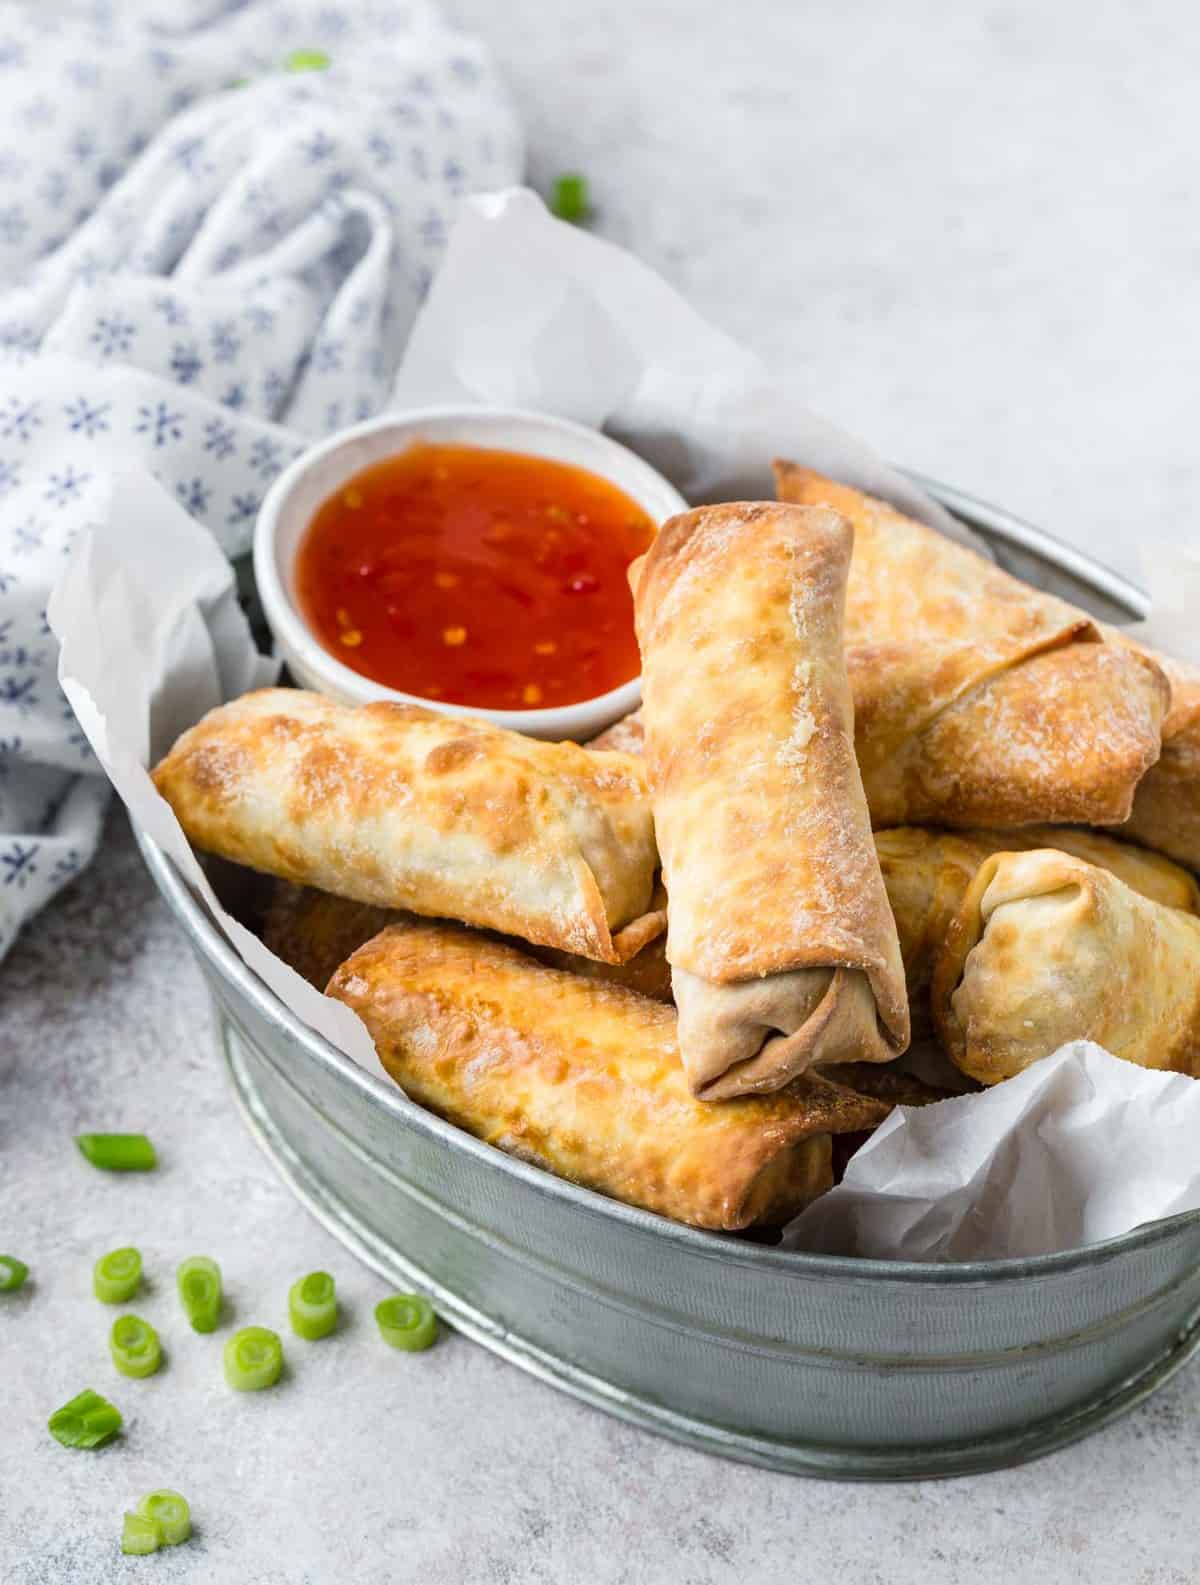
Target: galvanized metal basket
812, 1364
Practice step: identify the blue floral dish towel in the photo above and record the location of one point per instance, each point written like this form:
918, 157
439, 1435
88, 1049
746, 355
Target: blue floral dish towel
217, 222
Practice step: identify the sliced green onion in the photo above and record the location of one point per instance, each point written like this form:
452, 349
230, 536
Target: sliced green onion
170, 1512
118, 1152
312, 1306
140, 1536
306, 61
12, 1273
253, 1359
134, 1346
117, 1276
407, 1321
87, 1421
199, 1283
569, 197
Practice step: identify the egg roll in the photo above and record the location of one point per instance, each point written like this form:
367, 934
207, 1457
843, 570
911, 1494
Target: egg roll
584, 1079
315, 932
396, 806
978, 699
783, 950
927, 873
1047, 948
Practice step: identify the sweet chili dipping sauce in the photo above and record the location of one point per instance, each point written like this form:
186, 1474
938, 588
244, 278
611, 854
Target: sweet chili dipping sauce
489, 578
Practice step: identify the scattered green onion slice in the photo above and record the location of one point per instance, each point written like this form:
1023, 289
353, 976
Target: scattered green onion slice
569, 197
134, 1346
117, 1276
170, 1513
12, 1273
312, 1306
253, 1359
407, 1321
306, 61
118, 1152
140, 1536
87, 1421
199, 1283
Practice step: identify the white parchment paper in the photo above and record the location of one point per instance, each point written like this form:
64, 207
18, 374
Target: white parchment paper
1078, 1148
530, 312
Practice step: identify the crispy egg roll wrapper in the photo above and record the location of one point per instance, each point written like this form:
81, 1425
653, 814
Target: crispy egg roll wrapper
928, 872
782, 947
584, 1079
1048, 948
315, 932
980, 700
396, 806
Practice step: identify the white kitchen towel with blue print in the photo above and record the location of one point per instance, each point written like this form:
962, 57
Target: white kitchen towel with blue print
206, 259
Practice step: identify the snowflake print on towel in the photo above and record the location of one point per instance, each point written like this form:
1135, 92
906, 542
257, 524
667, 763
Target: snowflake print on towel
18, 863
113, 335
20, 420
161, 422
87, 418
66, 485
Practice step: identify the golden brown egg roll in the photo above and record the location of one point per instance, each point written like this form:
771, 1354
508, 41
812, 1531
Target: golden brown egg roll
782, 947
980, 700
584, 1079
396, 806
927, 873
314, 932
1047, 948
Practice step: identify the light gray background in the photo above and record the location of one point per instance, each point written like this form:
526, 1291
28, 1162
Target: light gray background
973, 229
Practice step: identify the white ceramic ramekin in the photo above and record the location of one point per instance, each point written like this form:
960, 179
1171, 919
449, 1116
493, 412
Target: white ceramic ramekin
296, 495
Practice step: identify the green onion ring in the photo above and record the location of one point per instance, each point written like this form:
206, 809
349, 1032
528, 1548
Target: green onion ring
134, 1346
199, 1283
170, 1512
253, 1359
407, 1321
117, 1276
312, 1306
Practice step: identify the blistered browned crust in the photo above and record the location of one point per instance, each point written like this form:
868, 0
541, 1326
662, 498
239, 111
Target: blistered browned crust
1047, 948
758, 804
978, 698
396, 806
314, 932
584, 1079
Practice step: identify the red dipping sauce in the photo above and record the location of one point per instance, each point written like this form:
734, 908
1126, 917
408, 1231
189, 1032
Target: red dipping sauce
489, 578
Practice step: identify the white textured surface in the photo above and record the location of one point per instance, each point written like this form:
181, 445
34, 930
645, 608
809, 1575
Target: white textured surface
972, 230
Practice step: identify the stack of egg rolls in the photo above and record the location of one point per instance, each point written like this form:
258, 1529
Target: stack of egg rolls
811, 668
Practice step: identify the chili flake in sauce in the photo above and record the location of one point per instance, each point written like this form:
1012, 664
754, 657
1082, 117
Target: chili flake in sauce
490, 578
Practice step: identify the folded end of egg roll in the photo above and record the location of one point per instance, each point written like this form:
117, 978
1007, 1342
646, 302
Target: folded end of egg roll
980, 700
584, 1079
1048, 948
782, 946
